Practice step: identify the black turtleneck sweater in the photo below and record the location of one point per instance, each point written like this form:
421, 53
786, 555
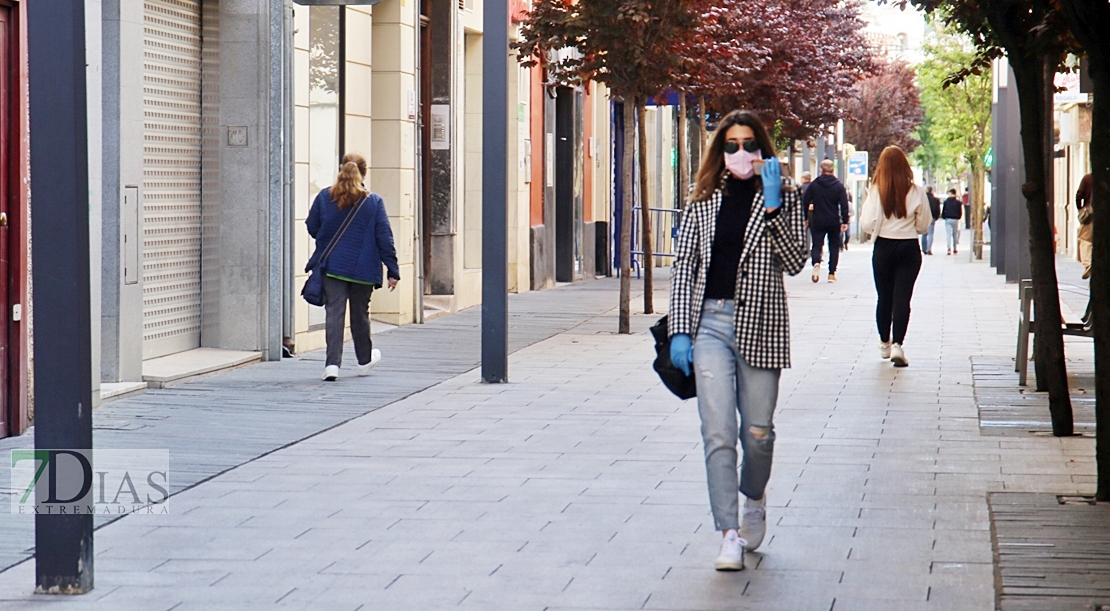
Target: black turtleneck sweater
728, 241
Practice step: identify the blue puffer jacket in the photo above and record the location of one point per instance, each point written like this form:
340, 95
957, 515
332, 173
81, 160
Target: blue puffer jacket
365, 246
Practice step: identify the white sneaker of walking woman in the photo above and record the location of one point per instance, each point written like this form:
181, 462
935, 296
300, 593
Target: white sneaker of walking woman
375, 358
331, 372
753, 524
884, 350
731, 557
898, 356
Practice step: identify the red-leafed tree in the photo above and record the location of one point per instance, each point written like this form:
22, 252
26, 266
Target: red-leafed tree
627, 45
884, 110
794, 65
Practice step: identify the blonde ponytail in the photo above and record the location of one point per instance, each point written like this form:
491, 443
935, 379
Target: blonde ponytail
347, 189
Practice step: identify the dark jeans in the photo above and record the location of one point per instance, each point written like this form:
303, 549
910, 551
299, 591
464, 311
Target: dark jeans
819, 236
337, 293
896, 264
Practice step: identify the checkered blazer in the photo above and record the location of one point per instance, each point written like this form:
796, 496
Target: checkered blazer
773, 244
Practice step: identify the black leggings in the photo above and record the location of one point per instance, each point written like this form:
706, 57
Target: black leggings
896, 264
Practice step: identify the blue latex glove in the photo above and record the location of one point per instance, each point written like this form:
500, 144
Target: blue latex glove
772, 183
682, 352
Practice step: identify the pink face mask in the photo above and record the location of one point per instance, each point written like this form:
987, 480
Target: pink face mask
740, 163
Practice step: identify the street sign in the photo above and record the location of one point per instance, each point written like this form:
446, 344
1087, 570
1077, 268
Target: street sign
857, 165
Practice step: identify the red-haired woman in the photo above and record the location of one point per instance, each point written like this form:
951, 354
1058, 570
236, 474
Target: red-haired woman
895, 212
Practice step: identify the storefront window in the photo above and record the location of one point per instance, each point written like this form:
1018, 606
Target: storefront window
324, 107
323, 97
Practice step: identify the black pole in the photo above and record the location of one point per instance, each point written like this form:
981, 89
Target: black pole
60, 243
495, 136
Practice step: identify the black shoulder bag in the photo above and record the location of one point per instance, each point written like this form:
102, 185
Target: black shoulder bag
682, 385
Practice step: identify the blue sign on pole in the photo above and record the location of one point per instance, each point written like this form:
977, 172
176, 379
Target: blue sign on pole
857, 165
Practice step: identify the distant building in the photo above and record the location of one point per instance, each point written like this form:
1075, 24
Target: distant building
893, 32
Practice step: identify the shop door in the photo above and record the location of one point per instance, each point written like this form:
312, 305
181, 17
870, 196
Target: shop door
6, 125
171, 196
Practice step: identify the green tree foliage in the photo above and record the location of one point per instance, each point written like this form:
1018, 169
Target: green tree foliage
959, 113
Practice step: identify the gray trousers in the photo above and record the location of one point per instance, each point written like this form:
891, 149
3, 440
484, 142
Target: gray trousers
337, 293
728, 387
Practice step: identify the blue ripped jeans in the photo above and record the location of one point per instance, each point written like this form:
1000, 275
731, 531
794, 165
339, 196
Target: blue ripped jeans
728, 386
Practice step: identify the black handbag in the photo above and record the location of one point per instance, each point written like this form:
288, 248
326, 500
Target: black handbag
313, 290
682, 385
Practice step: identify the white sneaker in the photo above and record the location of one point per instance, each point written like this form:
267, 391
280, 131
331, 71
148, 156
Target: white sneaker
331, 373
816, 273
898, 356
375, 358
731, 557
884, 350
753, 524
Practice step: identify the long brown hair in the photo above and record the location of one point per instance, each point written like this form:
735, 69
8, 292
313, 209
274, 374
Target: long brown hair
713, 163
347, 189
893, 179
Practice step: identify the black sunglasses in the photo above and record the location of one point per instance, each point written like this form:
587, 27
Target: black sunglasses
751, 145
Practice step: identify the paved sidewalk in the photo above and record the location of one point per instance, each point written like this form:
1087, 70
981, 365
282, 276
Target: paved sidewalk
219, 422
580, 485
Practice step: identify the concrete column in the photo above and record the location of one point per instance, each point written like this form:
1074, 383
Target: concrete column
391, 115
93, 91
239, 230
121, 168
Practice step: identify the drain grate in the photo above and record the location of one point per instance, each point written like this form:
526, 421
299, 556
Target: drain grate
1065, 499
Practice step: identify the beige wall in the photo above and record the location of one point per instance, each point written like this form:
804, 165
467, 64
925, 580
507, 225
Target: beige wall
393, 150
380, 83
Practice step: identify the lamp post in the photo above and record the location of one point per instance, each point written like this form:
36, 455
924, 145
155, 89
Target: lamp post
495, 134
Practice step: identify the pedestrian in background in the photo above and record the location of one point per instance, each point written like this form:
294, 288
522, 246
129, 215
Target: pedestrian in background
896, 212
827, 201
1086, 227
728, 320
951, 211
353, 269
966, 201
934, 209
846, 234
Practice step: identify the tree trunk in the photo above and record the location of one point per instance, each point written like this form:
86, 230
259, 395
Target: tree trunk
978, 185
624, 326
1100, 267
701, 121
648, 258
683, 155
1048, 349
1087, 19
1100, 264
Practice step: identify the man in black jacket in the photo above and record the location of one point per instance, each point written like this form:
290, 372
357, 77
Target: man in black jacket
827, 203
934, 208
951, 211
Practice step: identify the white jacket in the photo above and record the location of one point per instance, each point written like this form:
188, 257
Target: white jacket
917, 221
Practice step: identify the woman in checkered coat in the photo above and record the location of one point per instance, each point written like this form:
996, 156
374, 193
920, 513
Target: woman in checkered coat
729, 323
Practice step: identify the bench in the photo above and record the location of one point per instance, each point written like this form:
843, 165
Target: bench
1026, 328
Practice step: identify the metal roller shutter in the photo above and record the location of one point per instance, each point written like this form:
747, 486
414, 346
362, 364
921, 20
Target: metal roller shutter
171, 176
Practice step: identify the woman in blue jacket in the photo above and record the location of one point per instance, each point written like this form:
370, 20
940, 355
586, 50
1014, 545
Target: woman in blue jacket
354, 268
